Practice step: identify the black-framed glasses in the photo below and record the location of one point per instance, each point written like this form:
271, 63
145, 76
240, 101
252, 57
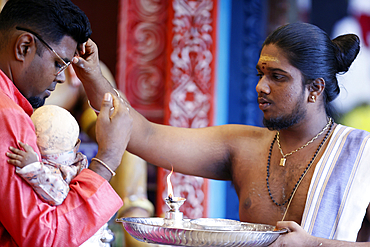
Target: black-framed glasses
66, 64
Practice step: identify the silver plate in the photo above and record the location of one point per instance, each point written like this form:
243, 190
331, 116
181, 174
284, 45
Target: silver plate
201, 232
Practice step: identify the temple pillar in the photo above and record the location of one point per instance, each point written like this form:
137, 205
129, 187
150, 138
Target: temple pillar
166, 60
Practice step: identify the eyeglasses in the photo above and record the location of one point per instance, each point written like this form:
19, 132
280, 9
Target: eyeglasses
66, 63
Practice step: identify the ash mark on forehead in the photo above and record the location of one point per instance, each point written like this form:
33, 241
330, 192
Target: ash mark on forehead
265, 58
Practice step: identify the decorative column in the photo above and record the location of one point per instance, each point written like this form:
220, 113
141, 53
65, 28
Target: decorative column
141, 58
190, 89
166, 68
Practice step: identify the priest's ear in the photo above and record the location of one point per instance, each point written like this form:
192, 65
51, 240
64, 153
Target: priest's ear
316, 88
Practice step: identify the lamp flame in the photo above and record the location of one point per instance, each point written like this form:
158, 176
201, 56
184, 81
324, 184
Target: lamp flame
174, 203
169, 185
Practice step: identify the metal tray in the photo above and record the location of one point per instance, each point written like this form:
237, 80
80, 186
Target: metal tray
200, 232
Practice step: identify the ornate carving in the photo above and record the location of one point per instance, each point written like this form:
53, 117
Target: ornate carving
191, 73
191, 88
144, 32
142, 55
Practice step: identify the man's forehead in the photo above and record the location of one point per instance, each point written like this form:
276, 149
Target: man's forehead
66, 48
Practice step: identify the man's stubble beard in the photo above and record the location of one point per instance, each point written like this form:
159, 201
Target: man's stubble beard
36, 102
286, 121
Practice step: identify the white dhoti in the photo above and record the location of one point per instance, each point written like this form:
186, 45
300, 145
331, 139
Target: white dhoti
339, 192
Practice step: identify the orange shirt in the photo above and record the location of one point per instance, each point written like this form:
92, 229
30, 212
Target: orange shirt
25, 220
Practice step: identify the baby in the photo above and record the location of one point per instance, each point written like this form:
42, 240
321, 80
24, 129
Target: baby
57, 138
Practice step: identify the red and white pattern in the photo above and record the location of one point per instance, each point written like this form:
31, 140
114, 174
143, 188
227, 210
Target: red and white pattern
191, 84
141, 55
166, 69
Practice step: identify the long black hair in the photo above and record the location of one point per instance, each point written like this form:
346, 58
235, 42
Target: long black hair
310, 49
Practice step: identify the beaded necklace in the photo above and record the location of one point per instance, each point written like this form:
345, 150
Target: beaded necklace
303, 174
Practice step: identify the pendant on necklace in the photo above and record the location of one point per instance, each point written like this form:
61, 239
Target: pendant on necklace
282, 161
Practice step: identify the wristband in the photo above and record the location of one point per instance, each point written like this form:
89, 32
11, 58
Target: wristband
105, 165
96, 111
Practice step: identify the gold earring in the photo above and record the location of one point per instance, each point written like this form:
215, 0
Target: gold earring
313, 98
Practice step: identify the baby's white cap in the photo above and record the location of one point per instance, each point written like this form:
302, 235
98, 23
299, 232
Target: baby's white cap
56, 129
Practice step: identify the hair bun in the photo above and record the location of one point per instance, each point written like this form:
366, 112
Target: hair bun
347, 48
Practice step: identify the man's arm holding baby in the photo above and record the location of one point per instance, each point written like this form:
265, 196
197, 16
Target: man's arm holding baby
46, 180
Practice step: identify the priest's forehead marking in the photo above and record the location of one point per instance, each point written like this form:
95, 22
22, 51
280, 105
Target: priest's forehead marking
266, 58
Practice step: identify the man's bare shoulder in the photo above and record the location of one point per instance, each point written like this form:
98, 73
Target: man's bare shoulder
246, 132
244, 138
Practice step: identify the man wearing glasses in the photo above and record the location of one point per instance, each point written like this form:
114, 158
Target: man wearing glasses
39, 39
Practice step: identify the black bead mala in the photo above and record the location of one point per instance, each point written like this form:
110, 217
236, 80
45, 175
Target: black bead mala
303, 174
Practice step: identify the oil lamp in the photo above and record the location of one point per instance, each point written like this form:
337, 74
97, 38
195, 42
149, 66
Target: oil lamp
174, 230
173, 217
